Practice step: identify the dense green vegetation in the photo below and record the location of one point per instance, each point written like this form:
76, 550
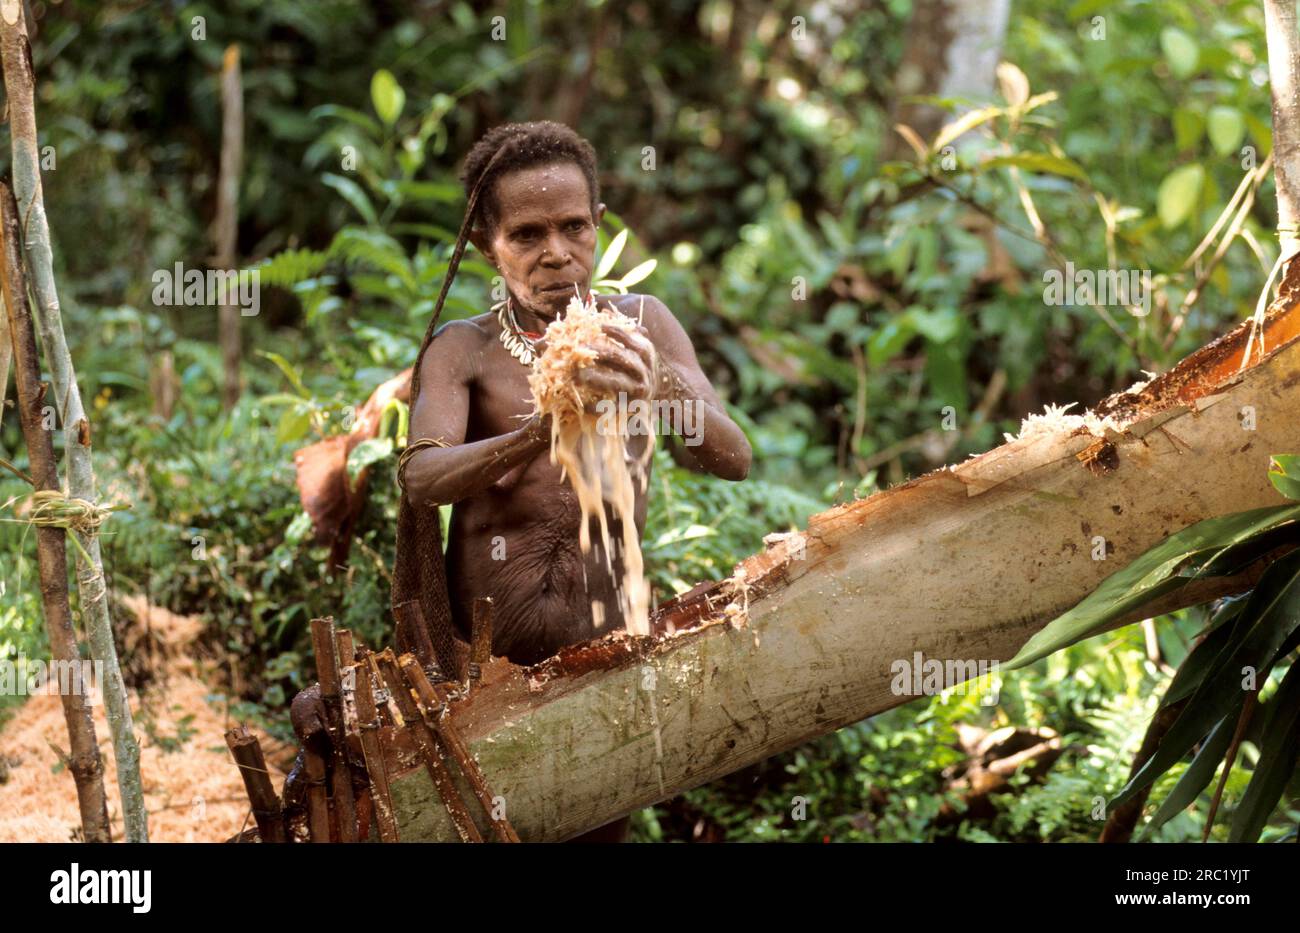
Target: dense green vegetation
840, 296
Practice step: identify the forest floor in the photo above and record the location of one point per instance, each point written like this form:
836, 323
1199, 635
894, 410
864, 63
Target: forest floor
192, 789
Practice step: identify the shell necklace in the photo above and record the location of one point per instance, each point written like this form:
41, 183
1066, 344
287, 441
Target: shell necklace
520, 343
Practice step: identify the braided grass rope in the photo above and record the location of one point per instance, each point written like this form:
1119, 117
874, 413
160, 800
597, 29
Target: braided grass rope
53, 508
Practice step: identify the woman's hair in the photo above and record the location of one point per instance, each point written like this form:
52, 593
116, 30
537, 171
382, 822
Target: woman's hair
527, 145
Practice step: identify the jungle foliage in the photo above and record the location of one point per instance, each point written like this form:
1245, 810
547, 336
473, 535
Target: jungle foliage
841, 302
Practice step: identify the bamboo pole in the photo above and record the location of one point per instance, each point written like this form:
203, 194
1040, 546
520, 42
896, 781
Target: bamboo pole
20, 91
226, 226
51, 547
247, 752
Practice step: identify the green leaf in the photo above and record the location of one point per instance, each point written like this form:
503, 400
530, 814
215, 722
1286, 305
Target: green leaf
1271, 614
639, 273
387, 96
439, 192
610, 256
367, 452
1239, 557
293, 426
962, 125
938, 326
1181, 51
1038, 162
289, 372
890, 340
1188, 127
1284, 474
676, 535
353, 194
1178, 194
1226, 127
1151, 575
1202, 658
1276, 763
1198, 774
355, 117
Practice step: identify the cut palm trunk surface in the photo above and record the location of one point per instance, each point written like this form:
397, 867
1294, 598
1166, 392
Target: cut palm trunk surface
960, 566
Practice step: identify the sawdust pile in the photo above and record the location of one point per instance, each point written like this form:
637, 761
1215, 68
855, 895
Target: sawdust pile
592, 457
192, 788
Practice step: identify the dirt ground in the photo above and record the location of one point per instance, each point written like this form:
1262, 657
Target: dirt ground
192, 788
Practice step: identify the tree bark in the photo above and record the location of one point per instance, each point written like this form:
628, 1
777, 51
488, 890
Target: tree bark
961, 565
20, 92
6, 357
226, 226
951, 50
52, 559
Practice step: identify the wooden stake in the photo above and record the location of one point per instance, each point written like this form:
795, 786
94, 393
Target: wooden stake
427, 744
413, 636
368, 714
480, 651
434, 701
327, 670
318, 810
247, 752
51, 546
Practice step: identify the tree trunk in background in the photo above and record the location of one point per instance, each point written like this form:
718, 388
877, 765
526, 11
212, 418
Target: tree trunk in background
952, 49
51, 547
960, 566
226, 225
1284, 76
20, 89
6, 355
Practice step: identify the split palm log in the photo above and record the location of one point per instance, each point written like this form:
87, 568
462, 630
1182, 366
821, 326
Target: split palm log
962, 565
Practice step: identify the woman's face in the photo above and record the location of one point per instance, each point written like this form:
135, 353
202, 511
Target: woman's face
544, 242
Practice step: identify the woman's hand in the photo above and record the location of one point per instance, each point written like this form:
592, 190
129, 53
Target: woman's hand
625, 362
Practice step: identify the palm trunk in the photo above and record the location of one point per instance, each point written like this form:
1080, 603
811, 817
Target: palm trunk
85, 765
962, 566
91, 586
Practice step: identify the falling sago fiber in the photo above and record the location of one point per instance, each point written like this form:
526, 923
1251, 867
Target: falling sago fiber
593, 457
